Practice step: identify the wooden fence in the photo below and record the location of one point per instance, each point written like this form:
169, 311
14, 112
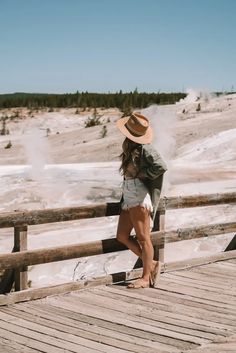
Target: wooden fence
16, 263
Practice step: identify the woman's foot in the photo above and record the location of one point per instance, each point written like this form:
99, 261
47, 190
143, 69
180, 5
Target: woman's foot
139, 283
155, 273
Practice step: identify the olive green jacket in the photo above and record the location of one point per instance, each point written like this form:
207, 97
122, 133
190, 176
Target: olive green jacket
151, 168
151, 171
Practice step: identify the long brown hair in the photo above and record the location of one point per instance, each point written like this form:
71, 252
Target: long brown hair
128, 147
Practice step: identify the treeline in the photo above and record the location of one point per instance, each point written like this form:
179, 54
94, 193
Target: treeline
123, 101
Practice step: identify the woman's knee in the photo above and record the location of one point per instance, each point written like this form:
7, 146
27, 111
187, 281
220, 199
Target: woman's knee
122, 237
145, 243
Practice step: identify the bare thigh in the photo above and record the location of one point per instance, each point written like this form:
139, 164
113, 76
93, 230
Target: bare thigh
140, 219
125, 225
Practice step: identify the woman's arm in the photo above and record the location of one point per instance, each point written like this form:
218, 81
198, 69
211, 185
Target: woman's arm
151, 164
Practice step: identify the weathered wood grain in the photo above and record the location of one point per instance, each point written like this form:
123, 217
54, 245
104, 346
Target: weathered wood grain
9, 346
89, 331
141, 313
199, 284
29, 342
179, 316
176, 306
10, 219
205, 279
171, 338
197, 263
38, 293
77, 317
20, 244
197, 200
66, 252
52, 336
187, 314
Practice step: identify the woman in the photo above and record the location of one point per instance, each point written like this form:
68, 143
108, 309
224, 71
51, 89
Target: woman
143, 169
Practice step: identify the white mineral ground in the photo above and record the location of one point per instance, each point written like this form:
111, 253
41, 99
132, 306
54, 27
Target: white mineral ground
55, 161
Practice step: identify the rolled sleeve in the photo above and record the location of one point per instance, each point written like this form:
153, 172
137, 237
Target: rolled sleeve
153, 165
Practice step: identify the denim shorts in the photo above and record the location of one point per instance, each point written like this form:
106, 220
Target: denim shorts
135, 194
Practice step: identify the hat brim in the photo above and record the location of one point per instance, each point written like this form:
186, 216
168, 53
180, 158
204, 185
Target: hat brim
144, 139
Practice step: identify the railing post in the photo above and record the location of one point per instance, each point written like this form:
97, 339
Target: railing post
159, 249
20, 244
232, 244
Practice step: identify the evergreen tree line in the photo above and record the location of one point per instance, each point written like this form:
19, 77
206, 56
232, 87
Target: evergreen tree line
123, 101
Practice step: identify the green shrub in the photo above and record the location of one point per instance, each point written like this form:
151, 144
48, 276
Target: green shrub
103, 132
9, 145
92, 121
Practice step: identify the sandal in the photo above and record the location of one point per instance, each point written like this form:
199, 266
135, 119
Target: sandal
139, 283
155, 274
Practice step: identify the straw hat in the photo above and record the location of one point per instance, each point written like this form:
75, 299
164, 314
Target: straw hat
136, 127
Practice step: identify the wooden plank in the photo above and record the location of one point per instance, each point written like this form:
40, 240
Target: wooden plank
184, 309
198, 293
198, 284
220, 345
185, 264
197, 200
59, 253
199, 232
218, 312
27, 341
221, 275
36, 293
50, 335
81, 329
215, 348
9, 346
11, 219
204, 279
141, 312
168, 310
109, 312
228, 265
223, 269
78, 318
187, 305
174, 339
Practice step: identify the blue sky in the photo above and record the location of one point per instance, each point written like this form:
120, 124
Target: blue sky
108, 45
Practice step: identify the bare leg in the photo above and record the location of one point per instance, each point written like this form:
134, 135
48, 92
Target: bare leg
124, 229
140, 218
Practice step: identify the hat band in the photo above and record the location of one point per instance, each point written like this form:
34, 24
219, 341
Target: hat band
134, 132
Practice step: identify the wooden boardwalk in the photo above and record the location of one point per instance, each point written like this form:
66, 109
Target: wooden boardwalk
192, 310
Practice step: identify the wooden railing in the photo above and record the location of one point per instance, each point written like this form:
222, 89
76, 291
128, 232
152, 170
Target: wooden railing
15, 264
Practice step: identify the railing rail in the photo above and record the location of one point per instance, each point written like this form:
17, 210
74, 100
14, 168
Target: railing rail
11, 219
67, 252
21, 257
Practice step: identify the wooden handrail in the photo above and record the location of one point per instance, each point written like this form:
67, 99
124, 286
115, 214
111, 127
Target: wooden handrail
11, 219
38, 293
66, 252
21, 219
